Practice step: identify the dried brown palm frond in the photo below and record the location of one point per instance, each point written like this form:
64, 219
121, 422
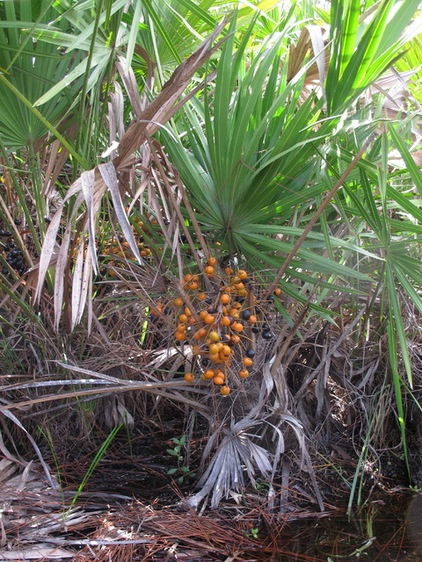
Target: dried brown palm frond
8, 414
99, 384
32, 514
239, 458
312, 42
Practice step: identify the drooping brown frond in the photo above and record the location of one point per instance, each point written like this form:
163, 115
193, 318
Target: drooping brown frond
162, 108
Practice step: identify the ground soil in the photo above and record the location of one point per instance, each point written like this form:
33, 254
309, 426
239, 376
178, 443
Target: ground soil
132, 509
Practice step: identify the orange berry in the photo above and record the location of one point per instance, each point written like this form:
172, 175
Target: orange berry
214, 336
188, 311
188, 277
225, 321
237, 327
242, 274
182, 317
224, 390
189, 377
235, 339
225, 298
145, 252
226, 350
277, 291
209, 319
202, 314
181, 328
209, 374
247, 361
213, 349
211, 261
252, 319
157, 310
209, 270
180, 336
200, 334
243, 373
218, 379
178, 301
228, 270
193, 285
201, 296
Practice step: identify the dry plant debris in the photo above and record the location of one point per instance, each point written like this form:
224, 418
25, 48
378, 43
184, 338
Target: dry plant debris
32, 513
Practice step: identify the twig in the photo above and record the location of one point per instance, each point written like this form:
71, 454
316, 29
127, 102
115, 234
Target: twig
318, 213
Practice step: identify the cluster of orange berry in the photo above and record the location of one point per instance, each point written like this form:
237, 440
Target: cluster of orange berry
118, 247
219, 323
121, 248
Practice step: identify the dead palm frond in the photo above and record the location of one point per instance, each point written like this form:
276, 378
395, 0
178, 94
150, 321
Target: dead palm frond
234, 457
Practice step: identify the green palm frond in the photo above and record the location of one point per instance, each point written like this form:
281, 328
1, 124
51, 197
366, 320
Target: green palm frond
31, 68
256, 158
364, 45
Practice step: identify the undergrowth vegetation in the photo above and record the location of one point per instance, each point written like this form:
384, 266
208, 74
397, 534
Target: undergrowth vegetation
218, 217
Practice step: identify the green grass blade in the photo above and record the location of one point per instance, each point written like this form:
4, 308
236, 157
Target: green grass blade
397, 329
397, 384
98, 456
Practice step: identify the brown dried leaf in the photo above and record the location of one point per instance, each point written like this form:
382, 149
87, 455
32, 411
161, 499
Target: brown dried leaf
78, 294
48, 254
15, 420
161, 109
49, 245
108, 173
57, 158
88, 186
60, 273
7, 470
129, 81
311, 40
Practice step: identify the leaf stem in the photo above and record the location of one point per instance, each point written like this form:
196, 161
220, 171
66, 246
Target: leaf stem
318, 213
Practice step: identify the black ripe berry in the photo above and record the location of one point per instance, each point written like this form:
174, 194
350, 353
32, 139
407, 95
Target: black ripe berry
267, 335
245, 315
